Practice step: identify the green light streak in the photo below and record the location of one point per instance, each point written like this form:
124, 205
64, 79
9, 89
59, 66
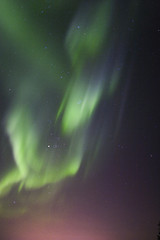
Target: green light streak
34, 169
79, 106
85, 41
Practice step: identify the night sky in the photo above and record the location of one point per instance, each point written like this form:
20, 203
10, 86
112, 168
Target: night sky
80, 120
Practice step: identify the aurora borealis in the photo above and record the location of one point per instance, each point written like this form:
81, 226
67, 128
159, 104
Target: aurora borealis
83, 92
68, 165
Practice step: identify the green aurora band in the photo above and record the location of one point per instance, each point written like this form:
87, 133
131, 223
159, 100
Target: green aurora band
36, 166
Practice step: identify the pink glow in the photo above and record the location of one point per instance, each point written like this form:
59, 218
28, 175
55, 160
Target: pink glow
42, 228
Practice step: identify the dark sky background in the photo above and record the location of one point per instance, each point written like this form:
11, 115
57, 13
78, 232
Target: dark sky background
120, 197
